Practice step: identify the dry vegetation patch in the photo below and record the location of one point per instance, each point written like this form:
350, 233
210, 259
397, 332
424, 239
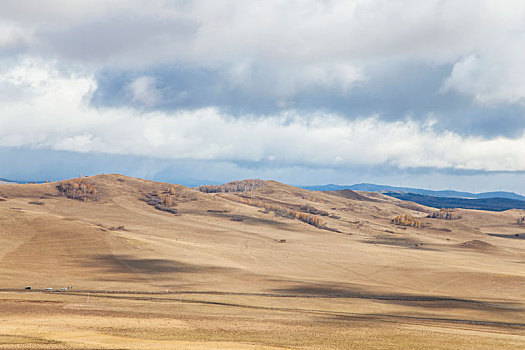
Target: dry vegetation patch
445, 214
111, 228
313, 198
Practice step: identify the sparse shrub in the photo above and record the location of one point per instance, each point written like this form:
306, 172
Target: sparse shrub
313, 198
521, 220
35, 203
237, 218
311, 210
78, 189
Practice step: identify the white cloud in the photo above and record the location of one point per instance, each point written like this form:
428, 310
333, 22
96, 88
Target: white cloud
144, 90
298, 43
11, 34
54, 113
284, 82
490, 79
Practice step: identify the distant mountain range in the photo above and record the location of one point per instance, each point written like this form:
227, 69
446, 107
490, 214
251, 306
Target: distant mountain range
492, 204
445, 193
6, 181
493, 201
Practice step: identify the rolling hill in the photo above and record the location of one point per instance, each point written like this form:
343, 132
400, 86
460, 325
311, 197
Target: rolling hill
251, 265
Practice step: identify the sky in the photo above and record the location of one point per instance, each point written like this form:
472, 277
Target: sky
415, 93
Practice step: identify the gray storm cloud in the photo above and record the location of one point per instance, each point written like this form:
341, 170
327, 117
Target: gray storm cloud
54, 112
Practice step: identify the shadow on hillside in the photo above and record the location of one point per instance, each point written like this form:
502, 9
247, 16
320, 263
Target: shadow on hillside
349, 194
401, 242
508, 235
409, 300
130, 265
376, 317
249, 220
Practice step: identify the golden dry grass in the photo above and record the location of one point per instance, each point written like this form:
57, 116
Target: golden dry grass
224, 284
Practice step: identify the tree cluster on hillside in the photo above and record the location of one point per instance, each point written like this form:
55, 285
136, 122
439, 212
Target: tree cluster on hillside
406, 220
445, 214
312, 198
279, 210
162, 200
308, 218
235, 186
312, 210
78, 189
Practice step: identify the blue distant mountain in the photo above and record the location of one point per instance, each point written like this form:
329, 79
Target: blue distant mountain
492, 204
445, 193
6, 181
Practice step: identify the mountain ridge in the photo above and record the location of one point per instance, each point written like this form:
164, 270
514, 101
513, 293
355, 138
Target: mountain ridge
7, 182
369, 187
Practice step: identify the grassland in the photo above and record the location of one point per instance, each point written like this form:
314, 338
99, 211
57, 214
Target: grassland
142, 278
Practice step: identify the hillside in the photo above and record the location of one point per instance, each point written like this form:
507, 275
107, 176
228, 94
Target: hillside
252, 264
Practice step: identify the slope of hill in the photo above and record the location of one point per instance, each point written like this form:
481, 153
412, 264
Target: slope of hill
444, 193
265, 266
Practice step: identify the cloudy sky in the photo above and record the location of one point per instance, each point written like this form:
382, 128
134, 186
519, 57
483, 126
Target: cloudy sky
401, 92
